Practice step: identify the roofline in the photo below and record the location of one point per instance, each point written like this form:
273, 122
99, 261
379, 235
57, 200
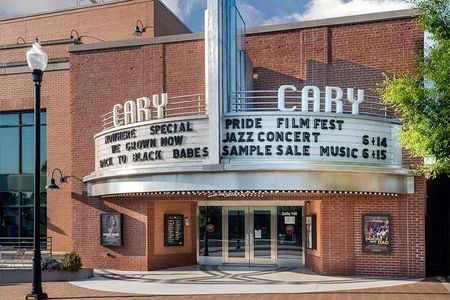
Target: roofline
69, 9
171, 12
346, 20
139, 42
363, 18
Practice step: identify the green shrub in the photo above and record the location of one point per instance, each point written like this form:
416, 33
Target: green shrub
70, 262
49, 263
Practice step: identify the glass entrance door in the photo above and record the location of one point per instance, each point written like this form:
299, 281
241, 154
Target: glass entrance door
249, 235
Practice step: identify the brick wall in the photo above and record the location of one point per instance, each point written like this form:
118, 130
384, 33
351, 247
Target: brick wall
92, 22
16, 94
101, 79
313, 257
350, 55
132, 255
16, 88
164, 257
344, 55
341, 235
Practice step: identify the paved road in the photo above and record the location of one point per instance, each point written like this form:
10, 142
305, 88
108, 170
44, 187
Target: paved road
429, 289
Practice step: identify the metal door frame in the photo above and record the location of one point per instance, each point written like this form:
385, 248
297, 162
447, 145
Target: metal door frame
249, 243
225, 234
212, 260
273, 236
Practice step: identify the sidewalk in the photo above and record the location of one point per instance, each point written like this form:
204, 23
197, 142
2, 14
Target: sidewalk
234, 283
428, 289
219, 280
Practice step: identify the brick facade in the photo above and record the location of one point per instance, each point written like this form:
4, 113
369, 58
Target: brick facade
94, 23
53, 30
343, 55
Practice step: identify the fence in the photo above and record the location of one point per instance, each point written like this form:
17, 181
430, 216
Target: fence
14, 243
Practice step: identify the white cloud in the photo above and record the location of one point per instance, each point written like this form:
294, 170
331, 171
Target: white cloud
183, 8
14, 8
321, 9
251, 15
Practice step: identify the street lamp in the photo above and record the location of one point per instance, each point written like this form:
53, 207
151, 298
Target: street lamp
139, 30
37, 61
52, 185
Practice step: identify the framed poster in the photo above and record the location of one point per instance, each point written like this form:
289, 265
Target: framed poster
376, 233
289, 220
111, 229
173, 230
311, 232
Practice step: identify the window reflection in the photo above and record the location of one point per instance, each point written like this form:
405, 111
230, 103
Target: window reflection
9, 119
10, 199
16, 166
28, 199
210, 230
9, 150
10, 222
27, 149
289, 232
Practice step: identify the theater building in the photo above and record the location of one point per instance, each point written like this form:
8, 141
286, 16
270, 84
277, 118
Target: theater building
248, 146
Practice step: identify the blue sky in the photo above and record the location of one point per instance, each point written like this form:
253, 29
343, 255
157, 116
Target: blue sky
255, 12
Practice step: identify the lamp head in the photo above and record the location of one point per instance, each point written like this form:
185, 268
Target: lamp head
139, 30
36, 57
52, 185
76, 40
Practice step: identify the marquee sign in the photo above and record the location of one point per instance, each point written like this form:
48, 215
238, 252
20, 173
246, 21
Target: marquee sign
310, 93
139, 110
334, 138
301, 136
151, 143
322, 137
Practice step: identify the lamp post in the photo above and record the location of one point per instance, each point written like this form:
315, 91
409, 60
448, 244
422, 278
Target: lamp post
37, 61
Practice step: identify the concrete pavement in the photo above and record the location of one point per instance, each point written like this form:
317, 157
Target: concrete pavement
220, 280
430, 289
226, 283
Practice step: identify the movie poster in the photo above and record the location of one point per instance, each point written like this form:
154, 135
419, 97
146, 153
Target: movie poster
111, 229
376, 233
310, 232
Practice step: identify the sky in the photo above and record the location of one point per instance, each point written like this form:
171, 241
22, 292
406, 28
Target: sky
254, 12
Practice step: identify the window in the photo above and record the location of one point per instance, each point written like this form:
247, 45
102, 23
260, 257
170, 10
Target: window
290, 235
16, 174
210, 230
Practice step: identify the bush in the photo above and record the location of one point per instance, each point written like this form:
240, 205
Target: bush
70, 262
49, 263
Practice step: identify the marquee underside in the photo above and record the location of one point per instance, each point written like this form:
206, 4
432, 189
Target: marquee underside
254, 181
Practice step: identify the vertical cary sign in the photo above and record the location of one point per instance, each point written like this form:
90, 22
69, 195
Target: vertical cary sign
223, 50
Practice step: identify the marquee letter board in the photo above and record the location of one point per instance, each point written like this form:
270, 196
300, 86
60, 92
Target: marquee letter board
174, 230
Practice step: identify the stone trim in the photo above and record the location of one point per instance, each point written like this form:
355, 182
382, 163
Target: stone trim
56, 64
365, 18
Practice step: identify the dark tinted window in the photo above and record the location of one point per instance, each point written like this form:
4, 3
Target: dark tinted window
9, 119
16, 169
9, 150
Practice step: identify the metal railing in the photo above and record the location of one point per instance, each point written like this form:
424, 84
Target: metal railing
252, 101
179, 106
14, 243
267, 100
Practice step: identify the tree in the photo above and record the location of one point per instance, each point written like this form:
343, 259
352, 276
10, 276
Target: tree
425, 109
